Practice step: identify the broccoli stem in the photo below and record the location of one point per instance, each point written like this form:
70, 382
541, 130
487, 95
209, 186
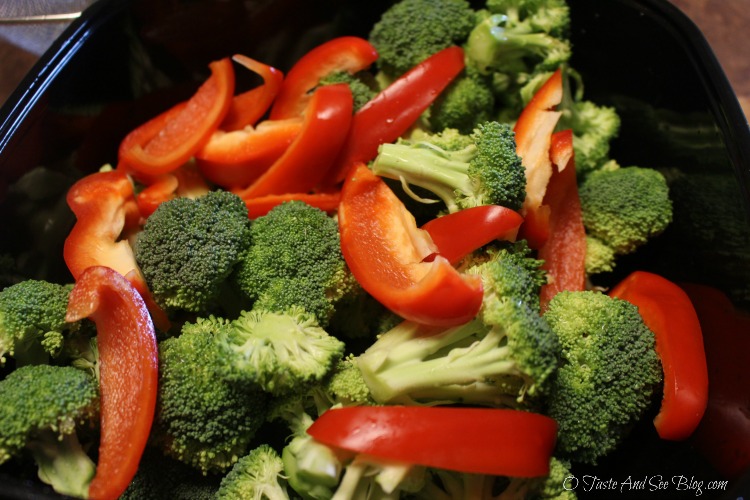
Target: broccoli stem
422, 164
63, 464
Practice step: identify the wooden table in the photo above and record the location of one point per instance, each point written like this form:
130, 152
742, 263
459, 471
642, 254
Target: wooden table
723, 22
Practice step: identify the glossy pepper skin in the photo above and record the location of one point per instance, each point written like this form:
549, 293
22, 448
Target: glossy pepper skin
128, 373
386, 253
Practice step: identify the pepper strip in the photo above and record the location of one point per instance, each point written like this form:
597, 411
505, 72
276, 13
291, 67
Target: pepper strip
128, 373
261, 205
247, 108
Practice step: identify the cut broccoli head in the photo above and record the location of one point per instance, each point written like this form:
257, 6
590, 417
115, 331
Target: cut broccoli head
609, 372
600, 257
279, 352
468, 101
295, 260
32, 321
44, 409
625, 207
548, 16
486, 172
204, 420
412, 30
188, 248
362, 85
259, 474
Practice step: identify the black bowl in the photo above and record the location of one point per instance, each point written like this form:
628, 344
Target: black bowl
123, 61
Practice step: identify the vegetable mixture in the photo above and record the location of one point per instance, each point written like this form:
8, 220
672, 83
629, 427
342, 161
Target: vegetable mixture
368, 277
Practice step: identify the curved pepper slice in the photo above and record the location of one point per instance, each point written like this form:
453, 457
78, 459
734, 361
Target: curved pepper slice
311, 154
153, 151
236, 159
106, 209
346, 53
128, 373
668, 312
533, 140
247, 108
564, 250
386, 251
390, 113
261, 205
458, 234
490, 441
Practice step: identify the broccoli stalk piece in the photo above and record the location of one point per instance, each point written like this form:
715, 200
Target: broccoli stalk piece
608, 374
259, 474
486, 172
501, 358
368, 477
189, 247
43, 408
412, 30
279, 352
32, 321
295, 260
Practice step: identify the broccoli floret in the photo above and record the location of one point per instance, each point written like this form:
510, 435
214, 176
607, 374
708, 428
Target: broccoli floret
600, 257
188, 248
487, 172
441, 484
295, 260
368, 477
280, 352
32, 321
259, 475
625, 207
608, 374
412, 30
203, 419
468, 101
362, 85
44, 409
501, 358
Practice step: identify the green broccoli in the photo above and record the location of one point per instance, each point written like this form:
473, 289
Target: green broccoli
362, 85
467, 102
257, 475
600, 257
441, 484
487, 172
609, 372
189, 247
550, 487
280, 352
32, 321
501, 358
412, 30
203, 419
625, 207
44, 410
368, 477
295, 260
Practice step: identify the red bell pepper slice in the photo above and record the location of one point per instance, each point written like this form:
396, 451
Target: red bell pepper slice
390, 113
106, 209
564, 251
261, 205
128, 373
386, 253
236, 159
723, 435
247, 108
346, 53
311, 154
489, 441
668, 311
163, 189
458, 234
534, 130
154, 151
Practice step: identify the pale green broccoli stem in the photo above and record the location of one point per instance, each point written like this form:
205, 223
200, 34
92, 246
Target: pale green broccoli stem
63, 463
422, 164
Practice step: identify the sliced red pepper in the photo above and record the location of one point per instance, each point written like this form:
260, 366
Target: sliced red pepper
236, 159
261, 205
668, 312
533, 139
386, 251
106, 209
311, 154
163, 189
154, 152
390, 113
723, 435
247, 108
347, 53
564, 251
458, 234
128, 373
489, 441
